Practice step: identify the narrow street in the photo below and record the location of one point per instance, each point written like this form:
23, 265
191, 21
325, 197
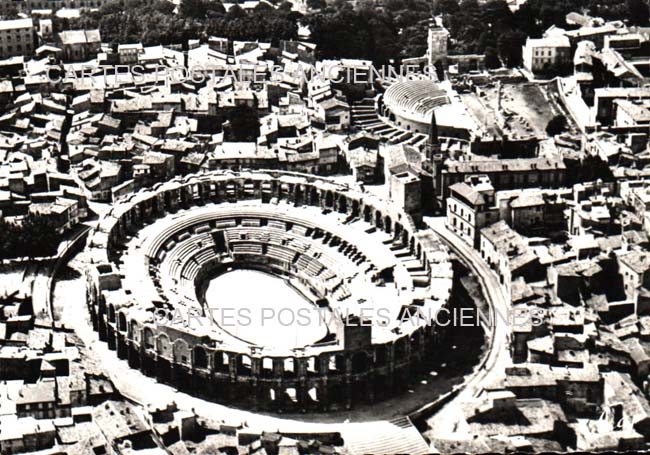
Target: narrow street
446, 421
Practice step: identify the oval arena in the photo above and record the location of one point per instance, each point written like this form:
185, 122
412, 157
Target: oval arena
349, 255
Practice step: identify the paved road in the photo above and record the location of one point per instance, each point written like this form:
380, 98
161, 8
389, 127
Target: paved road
446, 421
42, 282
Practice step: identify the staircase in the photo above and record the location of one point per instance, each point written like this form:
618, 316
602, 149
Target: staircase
389, 437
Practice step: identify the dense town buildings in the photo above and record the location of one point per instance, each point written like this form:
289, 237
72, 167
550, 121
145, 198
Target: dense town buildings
17, 37
149, 185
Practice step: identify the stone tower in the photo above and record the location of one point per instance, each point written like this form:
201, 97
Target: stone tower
437, 43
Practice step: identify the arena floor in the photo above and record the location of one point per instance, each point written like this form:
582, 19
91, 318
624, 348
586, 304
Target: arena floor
264, 309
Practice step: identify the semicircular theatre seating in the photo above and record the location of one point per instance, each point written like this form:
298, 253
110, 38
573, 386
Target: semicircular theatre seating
418, 96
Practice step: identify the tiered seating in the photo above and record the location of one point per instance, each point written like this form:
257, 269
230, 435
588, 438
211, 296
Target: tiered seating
191, 270
396, 436
299, 230
247, 248
205, 227
205, 256
204, 239
299, 244
418, 96
280, 253
176, 258
250, 222
332, 262
309, 265
223, 224
276, 237
277, 224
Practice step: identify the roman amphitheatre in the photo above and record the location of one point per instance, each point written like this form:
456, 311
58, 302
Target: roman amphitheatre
182, 246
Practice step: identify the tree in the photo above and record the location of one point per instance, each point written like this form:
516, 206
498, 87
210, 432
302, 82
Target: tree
316, 4
263, 7
244, 124
34, 237
492, 58
10, 12
590, 169
285, 6
637, 12
446, 7
509, 45
556, 125
41, 236
200, 9
236, 11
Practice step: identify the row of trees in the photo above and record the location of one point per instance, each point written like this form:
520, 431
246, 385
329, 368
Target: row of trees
36, 237
153, 22
341, 30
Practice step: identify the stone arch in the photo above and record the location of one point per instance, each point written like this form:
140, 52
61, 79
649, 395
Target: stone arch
244, 365
111, 313
367, 214
313, 196
221, 362
388, 224
343, 204
214, 192
134, 331
163, 345
167, 200
337, 363
289, 366
182, 353
355, 208
313, 394
200, 357
298, 195
121, 322
313, 365
249, 188
284, 191
329, 199
379, 221
267, 367
232, 189
291, 394
149, 340
397, 231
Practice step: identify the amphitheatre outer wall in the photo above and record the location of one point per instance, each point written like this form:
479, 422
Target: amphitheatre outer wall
356, 369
